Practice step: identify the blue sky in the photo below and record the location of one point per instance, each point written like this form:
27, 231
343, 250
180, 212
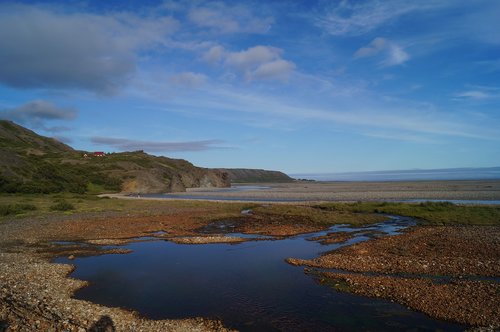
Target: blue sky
298, 86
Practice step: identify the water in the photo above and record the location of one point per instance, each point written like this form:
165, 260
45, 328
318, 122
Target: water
248, 286
454, 201
223, 198
197, 196
484, 173
231, 189
263, 200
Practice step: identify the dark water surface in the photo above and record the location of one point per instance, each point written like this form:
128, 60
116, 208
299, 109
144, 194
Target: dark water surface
248, 286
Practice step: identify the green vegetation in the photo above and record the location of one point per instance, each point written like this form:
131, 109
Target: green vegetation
312, 215
15, 209
49, 176
91, 204
33, 164
243, 175
62, 205
435, 213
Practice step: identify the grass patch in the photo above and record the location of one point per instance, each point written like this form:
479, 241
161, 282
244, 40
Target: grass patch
62, 205
432, 213
84, 203
305, 214
15, 209
323, 215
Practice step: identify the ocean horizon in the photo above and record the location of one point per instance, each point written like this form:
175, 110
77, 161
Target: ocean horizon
483, 173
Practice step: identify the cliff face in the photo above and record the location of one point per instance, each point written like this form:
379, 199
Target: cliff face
150, 174
244, 175
31, 163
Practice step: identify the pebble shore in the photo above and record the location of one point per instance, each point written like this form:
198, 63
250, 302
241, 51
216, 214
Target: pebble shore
448, 272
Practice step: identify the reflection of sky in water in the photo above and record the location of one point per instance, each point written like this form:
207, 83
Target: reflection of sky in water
247, 285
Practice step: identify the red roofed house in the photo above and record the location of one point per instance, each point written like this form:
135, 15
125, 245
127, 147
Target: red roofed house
99, 154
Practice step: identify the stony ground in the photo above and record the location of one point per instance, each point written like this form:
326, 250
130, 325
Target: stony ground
404, 266
35, 295
367, 191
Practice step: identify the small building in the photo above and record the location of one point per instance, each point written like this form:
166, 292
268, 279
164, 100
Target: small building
99, 154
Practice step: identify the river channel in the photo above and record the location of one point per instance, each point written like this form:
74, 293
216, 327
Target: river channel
249, 286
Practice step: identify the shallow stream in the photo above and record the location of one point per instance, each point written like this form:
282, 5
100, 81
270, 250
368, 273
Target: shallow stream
249, 286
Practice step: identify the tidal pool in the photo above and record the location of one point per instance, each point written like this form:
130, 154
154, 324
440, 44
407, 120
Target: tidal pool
249, 286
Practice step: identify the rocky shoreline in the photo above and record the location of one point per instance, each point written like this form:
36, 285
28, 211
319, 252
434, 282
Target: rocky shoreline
36, 296
441, 271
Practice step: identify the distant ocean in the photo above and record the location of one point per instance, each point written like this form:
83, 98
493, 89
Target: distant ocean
486, 173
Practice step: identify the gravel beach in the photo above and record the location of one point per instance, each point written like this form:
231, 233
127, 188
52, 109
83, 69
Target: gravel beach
362, 191
448, 272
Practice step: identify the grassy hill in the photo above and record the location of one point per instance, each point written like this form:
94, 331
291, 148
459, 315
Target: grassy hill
30, 163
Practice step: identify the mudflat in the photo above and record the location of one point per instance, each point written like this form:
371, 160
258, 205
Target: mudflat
362, 191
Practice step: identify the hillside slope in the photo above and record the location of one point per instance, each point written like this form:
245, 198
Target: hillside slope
31, 163
245, 175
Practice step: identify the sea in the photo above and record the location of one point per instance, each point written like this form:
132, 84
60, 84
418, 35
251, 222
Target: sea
484, 173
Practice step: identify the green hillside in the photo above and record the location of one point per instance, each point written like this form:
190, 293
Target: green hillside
245, 175
30, 163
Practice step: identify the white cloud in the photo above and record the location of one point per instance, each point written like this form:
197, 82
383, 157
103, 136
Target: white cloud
473, 94
188, 79
375, 47
479, 93
256, 55
227, 19
255, 63
392, 53
278, 69
352, 18
260, 62
125, 144
49, 48
37, 112
214, 54
396, 56
361, 115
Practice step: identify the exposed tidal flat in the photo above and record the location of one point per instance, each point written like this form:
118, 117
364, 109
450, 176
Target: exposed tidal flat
484, 190
442, 263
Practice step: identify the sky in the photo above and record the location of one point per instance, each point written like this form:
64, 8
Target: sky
297, 86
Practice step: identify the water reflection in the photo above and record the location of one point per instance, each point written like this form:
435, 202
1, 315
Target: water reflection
248, 285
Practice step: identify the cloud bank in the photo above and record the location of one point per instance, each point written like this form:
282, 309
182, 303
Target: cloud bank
392, 53
255, 63
36, 113
124, 144
226, 19
49, 48
355, 18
